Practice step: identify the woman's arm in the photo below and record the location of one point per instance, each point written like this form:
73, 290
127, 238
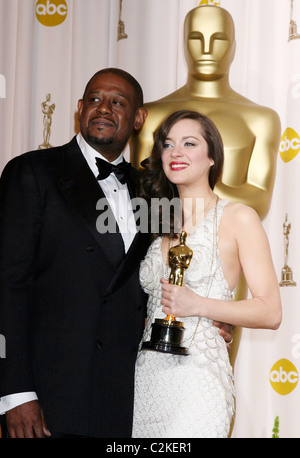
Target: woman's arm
263, 310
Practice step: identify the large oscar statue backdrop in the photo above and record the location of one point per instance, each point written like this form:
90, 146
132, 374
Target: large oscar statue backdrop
236, 61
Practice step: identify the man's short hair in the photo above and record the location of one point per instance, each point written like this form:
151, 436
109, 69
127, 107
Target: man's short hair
127, 77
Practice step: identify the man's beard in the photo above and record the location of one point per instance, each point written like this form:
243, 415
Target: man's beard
100, 141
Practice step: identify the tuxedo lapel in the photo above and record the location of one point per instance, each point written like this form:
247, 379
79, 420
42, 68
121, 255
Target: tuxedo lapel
83, 192
137, 248
130, 262
132, 182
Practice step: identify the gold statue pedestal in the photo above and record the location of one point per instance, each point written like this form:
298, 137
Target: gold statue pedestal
45, 146
166, 336
287, 277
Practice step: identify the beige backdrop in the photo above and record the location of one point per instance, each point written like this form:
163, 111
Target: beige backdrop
54, 46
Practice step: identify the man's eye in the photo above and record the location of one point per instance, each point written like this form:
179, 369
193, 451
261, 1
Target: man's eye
94, 99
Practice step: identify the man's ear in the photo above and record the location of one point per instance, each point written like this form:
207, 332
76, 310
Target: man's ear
140, 117
79, 108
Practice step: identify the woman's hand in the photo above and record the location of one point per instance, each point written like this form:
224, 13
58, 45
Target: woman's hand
225, 331
179, 300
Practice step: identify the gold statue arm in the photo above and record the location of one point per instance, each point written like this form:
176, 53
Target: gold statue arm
248, 194
257, 188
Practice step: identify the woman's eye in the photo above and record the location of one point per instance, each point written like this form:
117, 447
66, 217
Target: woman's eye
167, 145
189, 144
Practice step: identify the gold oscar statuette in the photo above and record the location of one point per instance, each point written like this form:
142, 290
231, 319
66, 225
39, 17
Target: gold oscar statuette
167, 333
293, 34
286, 271
48, 110
121, 26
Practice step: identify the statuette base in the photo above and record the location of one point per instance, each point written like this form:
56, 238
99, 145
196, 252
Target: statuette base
166, 337
287, 277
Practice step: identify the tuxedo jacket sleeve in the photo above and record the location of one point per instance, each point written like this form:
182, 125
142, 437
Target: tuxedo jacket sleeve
71, 307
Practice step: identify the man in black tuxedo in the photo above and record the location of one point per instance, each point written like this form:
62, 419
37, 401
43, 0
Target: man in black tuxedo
71, 307
72, 311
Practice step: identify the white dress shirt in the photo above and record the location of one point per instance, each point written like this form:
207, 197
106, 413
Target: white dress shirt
119, 200
116, 193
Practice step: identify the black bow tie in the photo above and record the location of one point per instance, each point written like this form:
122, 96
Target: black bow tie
106, 168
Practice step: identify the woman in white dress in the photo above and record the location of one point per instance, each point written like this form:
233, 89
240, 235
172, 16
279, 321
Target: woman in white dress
193, 395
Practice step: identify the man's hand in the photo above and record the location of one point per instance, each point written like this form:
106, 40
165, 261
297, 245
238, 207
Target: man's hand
225, 331
27, 421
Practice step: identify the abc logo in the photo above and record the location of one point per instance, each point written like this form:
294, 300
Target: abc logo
51, 12
210, 2
289, 145
284, 377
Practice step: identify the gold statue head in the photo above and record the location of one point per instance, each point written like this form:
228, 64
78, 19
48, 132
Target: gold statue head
209, 40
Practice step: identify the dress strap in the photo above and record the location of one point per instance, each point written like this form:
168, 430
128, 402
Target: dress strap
215, 222
221, 204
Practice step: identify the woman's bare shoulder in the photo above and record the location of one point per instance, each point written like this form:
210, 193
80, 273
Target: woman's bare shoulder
241, 214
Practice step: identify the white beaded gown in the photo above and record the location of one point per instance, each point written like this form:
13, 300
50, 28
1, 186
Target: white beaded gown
186, 396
